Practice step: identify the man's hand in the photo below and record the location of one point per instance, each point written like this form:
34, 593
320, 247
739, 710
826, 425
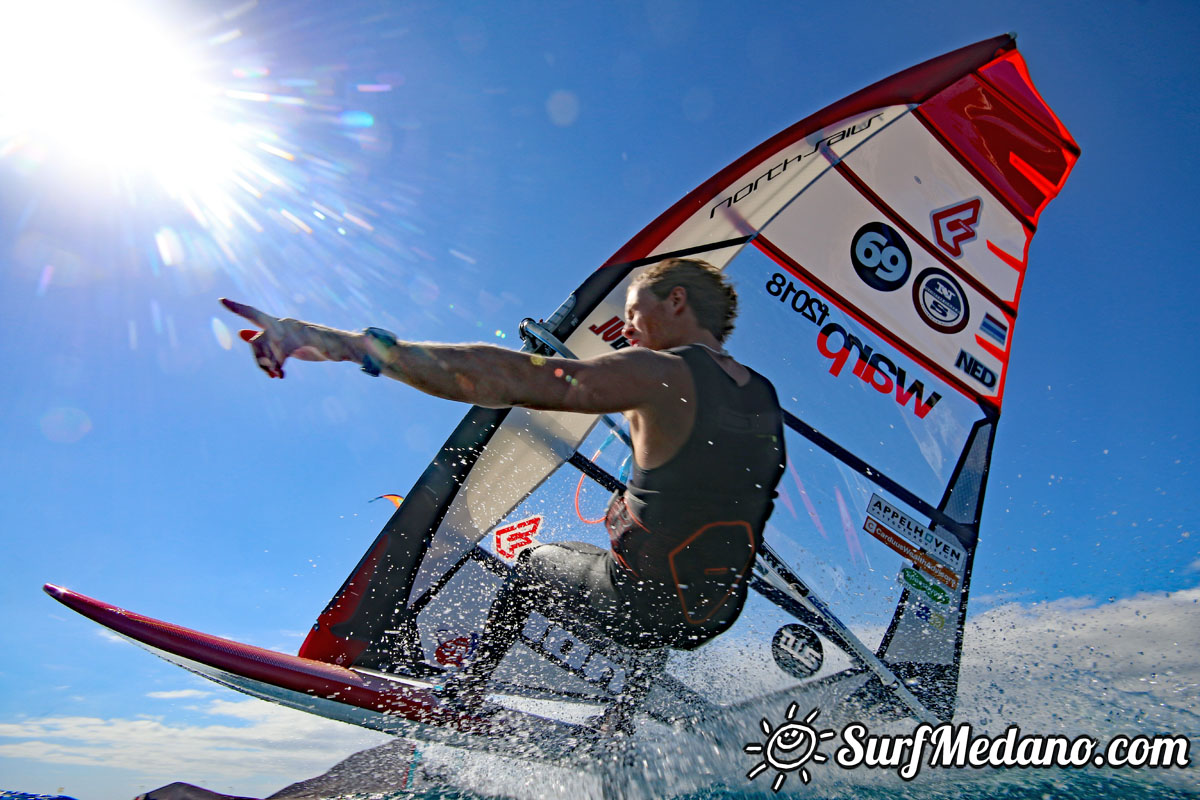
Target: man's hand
281, 339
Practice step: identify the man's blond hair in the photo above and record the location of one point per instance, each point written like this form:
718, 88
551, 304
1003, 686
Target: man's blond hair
710, 295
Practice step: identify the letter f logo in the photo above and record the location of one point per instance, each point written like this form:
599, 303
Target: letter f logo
512, 539
955, 224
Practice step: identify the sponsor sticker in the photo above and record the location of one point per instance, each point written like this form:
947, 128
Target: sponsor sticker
573, 654
912, 553
610, 331
940, 301
797, 651
453, 650
994, 329
976, 369
944, 547
512, 539
880, 257
955, 225
873, 367
927, 614
918, 582
779, 169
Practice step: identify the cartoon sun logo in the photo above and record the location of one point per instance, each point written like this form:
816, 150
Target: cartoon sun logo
789, 747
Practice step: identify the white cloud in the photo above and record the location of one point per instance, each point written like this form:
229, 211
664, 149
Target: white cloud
260, 741
979, 601
1073, 665
178, 694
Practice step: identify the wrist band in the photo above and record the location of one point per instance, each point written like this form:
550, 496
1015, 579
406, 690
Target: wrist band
370, 364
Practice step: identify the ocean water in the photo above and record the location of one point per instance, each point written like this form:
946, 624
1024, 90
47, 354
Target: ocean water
1067, 669
1005, 784
1012, 787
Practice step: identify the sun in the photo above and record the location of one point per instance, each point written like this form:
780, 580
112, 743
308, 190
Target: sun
110, 86
176, 117
789, 747
122, 96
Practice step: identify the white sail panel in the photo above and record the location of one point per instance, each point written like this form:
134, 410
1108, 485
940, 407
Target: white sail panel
749, 201
833, 235
917, 429
528, 447
945, 203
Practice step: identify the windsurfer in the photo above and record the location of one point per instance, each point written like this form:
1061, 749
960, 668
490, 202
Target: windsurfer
707, 450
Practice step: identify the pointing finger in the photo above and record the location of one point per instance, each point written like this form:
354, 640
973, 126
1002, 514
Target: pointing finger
259, 318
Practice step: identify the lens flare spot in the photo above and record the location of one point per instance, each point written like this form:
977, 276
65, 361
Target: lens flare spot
276, 151
563, 108
224, 337
170, 247
44, 280
359, 221
250, 72
292, 218
65, 425
356, 119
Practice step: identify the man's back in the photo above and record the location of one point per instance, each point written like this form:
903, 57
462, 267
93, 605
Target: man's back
685, 532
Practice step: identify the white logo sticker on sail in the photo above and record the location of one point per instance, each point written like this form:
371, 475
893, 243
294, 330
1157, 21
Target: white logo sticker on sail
955, 225
797, 651
880, 257
940, 301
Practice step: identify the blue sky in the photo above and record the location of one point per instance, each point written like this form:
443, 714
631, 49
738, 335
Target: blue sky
517, 147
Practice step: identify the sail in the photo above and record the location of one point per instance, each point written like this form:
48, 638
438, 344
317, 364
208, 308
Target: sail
879, 248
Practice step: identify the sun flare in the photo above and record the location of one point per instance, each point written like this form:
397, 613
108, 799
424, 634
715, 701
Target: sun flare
112, 88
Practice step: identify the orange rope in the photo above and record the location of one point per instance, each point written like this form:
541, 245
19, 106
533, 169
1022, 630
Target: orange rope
578, 488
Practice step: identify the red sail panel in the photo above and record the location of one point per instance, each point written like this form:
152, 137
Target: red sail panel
321, 644
1010, 75
913, 85
1023, 162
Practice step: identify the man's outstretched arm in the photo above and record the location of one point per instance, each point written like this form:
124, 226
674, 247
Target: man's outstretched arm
480, 374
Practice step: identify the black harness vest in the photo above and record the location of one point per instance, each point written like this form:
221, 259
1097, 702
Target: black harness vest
684, 534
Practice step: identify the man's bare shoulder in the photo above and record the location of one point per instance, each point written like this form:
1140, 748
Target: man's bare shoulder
653, 369
627, 379
638, 358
